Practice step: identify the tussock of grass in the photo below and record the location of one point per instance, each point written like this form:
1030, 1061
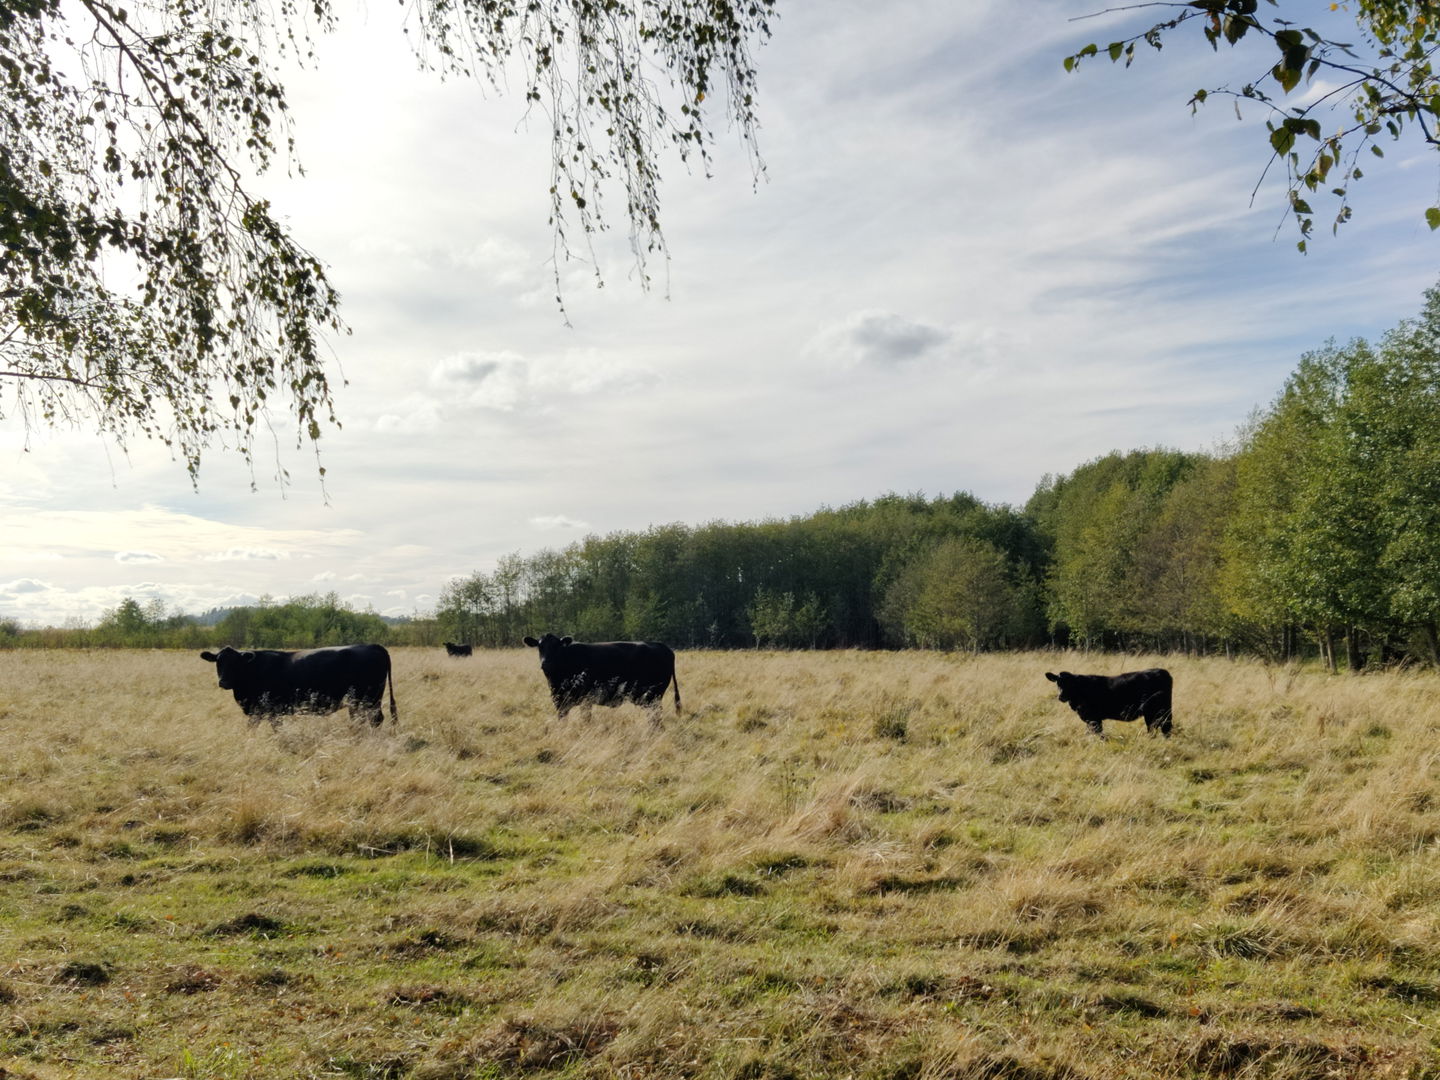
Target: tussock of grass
887, 866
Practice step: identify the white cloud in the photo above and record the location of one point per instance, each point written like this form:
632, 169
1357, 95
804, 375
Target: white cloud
418, 415
137, 557
558, 521
240, 554
880, 339
503, 260
23, 586
507, 382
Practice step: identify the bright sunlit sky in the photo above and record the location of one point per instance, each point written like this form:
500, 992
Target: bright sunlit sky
962, 270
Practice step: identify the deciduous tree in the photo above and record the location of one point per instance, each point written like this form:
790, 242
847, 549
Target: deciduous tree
145, 290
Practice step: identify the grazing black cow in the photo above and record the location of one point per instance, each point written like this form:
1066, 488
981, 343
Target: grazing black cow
1118, 697
606, 673
451, 649
269, 683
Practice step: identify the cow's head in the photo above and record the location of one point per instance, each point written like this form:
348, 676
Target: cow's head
231, 666
1065, 681
549, 645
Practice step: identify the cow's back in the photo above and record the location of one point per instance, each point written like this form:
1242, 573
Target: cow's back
611, 671
1141, 685
334, 673
634, 658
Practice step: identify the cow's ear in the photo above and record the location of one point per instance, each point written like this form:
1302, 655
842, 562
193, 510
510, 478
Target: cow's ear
1052, 676
208, 655
566, 640
531, 641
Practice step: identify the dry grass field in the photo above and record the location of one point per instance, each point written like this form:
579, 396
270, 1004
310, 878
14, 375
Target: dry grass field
880, 866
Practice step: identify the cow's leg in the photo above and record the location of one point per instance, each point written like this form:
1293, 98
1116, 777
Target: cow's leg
362, 710
1158, 720
1094, 726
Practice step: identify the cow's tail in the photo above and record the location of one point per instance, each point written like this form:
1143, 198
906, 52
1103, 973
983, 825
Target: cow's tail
390, 679
675, 679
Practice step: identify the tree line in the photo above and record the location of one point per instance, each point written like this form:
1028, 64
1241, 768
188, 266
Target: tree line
301, 622
1316, 533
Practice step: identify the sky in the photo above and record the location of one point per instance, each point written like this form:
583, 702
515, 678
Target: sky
961, 270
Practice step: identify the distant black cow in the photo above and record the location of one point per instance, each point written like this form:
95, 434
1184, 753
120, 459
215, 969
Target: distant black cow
269, 683
452, 649
1118, 697
606, 673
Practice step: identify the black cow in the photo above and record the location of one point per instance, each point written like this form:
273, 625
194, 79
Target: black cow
451, 649
269, 683
1118, 697
606, 673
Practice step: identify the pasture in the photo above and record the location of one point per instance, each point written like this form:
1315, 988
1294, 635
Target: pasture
882, 866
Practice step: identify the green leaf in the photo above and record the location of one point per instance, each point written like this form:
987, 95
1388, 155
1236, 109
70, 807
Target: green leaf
1115, 50
1288, 78
1432, 217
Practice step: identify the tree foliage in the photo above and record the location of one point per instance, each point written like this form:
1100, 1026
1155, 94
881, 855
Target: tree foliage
1337, 488
807, 582
961, 594
1380, 87
299, 622
145, 290
1098, 519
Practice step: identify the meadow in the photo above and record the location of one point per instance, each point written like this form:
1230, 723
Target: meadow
886, 866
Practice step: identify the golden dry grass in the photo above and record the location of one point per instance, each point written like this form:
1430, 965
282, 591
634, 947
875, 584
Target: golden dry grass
899, 866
